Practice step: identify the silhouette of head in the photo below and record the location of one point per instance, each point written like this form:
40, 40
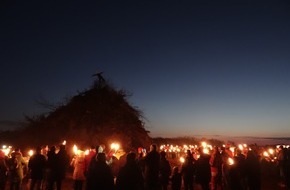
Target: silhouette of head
131, 157
62, 147
153, 147
52, 149
38, 149
101, 157
163, 154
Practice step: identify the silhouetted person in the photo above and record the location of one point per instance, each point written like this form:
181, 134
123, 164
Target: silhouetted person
216, 169
93, 159
51, 168
234, 175
165, 170
141, 162
100, 176
130, 176
62, 164
88, 158
78, 163
203, 173
151, 174
253, 171
36, 166
114, 165
3, 170
287, 174
226, 154
101, 81
241, 166
100, 77
281, 158
176, 179
17, 166
188, 171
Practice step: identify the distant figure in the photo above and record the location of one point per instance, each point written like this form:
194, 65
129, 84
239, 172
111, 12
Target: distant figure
36, 166
62, 165
88, 158
3, 170
51, 168
287, 174
100, 175
93, 160
101, 82
188, 171
226, 154
165, 170
234, 175
141, 161
281, 157
253, 171
176, 179
114, 165
203, 173
17, 166
130, 176
241, 166
78, 163
100, 77
216, 163
151, 175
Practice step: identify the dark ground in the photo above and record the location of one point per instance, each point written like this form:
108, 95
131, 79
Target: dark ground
270, 180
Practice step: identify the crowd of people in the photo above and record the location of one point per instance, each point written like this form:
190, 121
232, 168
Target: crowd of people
217, 170
44, 170
221, 168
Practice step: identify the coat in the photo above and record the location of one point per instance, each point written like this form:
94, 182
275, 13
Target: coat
79, 168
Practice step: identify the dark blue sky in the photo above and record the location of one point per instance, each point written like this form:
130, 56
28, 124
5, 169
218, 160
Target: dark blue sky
193, 67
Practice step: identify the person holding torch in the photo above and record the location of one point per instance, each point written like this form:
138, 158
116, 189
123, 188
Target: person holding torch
36, 166
78, 163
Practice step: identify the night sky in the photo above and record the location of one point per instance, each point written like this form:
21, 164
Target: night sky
195, 68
